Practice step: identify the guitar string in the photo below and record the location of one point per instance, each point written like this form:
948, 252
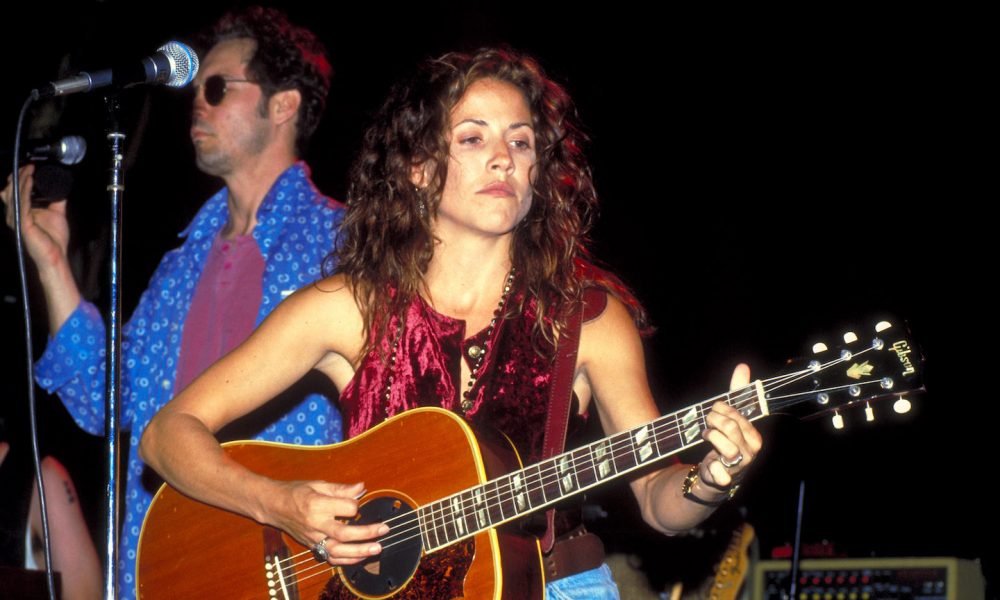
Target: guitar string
739, 399
795, 398
442, 512
544, 477
315, 569
287, 571
507, 491
387, 550
780, 405
543, 473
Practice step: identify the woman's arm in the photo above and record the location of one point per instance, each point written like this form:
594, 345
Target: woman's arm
314, 328
73, 552
612, 364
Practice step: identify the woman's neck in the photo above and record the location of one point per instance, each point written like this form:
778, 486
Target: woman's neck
465, 281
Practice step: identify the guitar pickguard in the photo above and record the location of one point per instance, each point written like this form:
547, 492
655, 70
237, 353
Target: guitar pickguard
440, 575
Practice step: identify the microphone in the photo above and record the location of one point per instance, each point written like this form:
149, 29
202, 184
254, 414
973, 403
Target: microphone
53, 180
173, 64
52, 183
68, 150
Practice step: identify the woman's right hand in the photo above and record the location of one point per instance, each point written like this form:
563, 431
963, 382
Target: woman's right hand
318, 511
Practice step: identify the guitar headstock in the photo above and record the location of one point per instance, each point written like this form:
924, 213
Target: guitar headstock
856, 368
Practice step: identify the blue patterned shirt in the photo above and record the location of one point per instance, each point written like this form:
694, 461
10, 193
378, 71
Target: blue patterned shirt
295, 229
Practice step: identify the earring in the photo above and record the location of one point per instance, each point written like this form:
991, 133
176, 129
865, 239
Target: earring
421, 205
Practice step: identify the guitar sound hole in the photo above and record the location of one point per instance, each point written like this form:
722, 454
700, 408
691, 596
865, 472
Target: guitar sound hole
401, 547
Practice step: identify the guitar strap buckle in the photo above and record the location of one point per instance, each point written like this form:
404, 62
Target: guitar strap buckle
574, 552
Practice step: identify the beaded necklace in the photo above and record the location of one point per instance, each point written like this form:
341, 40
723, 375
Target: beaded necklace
475, 352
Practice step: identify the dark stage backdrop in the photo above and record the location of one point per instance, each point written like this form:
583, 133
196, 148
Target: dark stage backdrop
765, 177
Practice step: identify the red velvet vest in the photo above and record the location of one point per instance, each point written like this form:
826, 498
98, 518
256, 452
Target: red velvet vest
511, 393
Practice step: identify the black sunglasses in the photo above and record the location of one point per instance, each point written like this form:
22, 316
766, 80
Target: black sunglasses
216, 87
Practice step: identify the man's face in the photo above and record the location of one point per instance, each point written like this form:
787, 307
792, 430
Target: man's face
228, 134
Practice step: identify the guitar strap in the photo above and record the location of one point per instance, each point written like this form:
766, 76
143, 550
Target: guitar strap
561, 392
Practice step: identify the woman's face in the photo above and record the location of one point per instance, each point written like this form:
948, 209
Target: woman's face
491, 162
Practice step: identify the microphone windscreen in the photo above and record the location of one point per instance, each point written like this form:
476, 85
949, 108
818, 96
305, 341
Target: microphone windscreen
183, 63
52, 183
72, 149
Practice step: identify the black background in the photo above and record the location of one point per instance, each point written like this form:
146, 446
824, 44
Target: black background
766, 178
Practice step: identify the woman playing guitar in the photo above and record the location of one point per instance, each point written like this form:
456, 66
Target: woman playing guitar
461, 266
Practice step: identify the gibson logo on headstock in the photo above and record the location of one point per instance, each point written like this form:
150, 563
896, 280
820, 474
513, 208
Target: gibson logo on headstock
902, 350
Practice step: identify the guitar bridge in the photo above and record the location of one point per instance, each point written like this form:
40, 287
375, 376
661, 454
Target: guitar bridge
281, 581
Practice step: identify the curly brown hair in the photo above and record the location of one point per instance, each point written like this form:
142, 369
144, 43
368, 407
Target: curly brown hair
386, 237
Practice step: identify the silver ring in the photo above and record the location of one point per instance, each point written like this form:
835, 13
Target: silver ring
319, 550
730, 465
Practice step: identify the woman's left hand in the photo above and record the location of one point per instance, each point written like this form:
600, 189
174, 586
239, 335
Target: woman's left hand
735, 441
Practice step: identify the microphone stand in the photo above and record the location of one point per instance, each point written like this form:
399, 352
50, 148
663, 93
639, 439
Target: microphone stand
116, 190
797, 548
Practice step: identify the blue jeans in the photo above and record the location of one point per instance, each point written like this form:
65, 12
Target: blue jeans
595, 584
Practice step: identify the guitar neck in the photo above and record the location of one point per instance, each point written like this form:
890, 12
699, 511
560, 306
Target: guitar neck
538, 486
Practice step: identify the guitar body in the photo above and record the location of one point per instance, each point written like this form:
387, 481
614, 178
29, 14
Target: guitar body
189, 550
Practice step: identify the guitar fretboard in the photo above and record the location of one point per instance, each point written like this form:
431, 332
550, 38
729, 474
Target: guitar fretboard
500, 500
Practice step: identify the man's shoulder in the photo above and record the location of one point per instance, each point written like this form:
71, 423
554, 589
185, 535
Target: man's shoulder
308, 197
318, 208
299, 178
327, 204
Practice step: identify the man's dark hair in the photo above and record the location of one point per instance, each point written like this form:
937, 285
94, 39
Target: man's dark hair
286, 57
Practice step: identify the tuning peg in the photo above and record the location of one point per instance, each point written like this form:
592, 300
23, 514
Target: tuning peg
850, 337
882, 326
819, 347
869, 413
838, 421
902, 405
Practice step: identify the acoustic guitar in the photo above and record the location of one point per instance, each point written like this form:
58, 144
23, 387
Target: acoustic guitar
452, 498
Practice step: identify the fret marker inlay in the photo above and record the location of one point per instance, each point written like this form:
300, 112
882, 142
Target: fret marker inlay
521, 498
691, 424
643, 443
603, 460
566, 481
481, 515
456, 509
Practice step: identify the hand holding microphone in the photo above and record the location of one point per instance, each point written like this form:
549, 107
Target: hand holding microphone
173, 64
44, 227
53, 181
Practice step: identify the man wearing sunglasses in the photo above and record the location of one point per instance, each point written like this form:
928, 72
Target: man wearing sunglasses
258, 97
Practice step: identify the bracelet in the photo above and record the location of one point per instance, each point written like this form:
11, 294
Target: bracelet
692, 478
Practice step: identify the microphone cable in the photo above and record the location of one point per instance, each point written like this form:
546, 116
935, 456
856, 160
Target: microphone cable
29, 349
